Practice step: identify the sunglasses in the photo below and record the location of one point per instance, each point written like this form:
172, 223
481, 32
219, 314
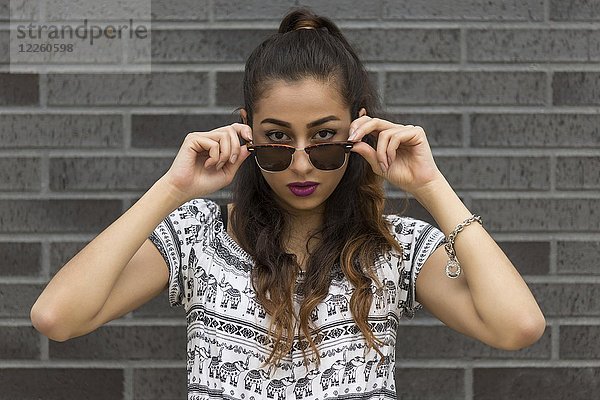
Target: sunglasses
328, 156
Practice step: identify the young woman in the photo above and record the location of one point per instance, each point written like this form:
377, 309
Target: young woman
295, 289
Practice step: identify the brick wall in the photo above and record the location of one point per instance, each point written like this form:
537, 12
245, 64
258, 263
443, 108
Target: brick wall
507, 91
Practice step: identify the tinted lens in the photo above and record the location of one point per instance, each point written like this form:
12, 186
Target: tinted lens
273, 158
328, 156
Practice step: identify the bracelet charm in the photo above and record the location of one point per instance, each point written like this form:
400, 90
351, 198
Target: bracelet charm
452, 269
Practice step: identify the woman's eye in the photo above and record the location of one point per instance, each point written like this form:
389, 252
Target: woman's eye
321, 135
326, 132
274, 135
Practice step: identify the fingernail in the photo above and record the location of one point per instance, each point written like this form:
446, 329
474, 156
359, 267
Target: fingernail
233, 158
219, 165
389, 160
383, 168
351, 134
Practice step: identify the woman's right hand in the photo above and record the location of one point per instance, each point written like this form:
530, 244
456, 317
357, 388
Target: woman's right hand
204, 164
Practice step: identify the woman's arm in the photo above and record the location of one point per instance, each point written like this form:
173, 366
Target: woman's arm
99, 282
489, 300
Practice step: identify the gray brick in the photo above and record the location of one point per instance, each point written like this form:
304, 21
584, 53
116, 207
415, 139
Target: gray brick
214, 45
406, 45
535, 130
60, 131
169, 130
573, 383
532, 45
16, 300
19, 89
159, 307
124, 343
567, 299
20, 174
496, 173
182, 10
464, 10
444, 130
576, 88
19, 343
19, 11
577, 257
230, 10
110, 10
106, 173
158, 88
429, 383
159, 384
62, 383
579, 342
574, 10
5, 10
62, 252
412, 209
422, 342
465, 88
63, 216
529, 258
229, 90
539, 215
578, 173
20, 259
4, 46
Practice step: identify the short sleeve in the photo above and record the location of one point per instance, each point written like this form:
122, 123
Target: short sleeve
419, 240
179, 238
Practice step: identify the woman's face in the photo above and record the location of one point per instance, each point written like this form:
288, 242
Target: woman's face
284, 115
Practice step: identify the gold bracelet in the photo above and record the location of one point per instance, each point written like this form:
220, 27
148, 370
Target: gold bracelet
453, 266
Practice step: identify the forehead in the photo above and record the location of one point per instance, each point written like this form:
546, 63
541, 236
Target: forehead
304, 100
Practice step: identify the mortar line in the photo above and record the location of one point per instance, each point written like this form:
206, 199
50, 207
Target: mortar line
555, 341
466, 128
468, 379
128, 384
549, 89
44, 348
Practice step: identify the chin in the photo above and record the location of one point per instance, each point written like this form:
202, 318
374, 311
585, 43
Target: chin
307, 203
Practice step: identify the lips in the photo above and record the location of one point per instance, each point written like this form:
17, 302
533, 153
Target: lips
303, 189
302, 184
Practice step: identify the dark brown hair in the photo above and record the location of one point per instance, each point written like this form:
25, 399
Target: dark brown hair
353, 235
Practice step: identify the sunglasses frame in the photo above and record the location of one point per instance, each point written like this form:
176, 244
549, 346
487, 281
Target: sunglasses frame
346, 144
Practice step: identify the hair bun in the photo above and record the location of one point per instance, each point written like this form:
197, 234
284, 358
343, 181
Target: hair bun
302, 18
307, 24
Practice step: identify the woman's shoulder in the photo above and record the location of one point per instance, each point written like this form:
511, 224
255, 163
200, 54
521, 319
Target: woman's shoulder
409, 229
405, 225
194, 212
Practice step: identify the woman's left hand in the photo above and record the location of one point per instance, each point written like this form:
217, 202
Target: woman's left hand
403, 149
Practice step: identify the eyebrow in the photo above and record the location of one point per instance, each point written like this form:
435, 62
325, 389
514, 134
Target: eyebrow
320, 121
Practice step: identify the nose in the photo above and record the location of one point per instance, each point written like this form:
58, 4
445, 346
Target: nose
300, 162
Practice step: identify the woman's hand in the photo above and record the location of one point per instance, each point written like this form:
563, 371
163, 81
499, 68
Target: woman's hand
208, 161
403, 156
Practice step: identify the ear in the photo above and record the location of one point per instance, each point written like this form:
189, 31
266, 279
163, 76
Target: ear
362, 112
244, 115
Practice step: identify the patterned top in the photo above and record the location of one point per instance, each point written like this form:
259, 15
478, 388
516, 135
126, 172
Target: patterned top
227, 336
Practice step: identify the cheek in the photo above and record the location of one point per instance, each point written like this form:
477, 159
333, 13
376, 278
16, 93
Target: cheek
273, 180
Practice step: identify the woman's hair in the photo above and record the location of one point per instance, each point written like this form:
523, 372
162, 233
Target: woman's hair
354, 232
